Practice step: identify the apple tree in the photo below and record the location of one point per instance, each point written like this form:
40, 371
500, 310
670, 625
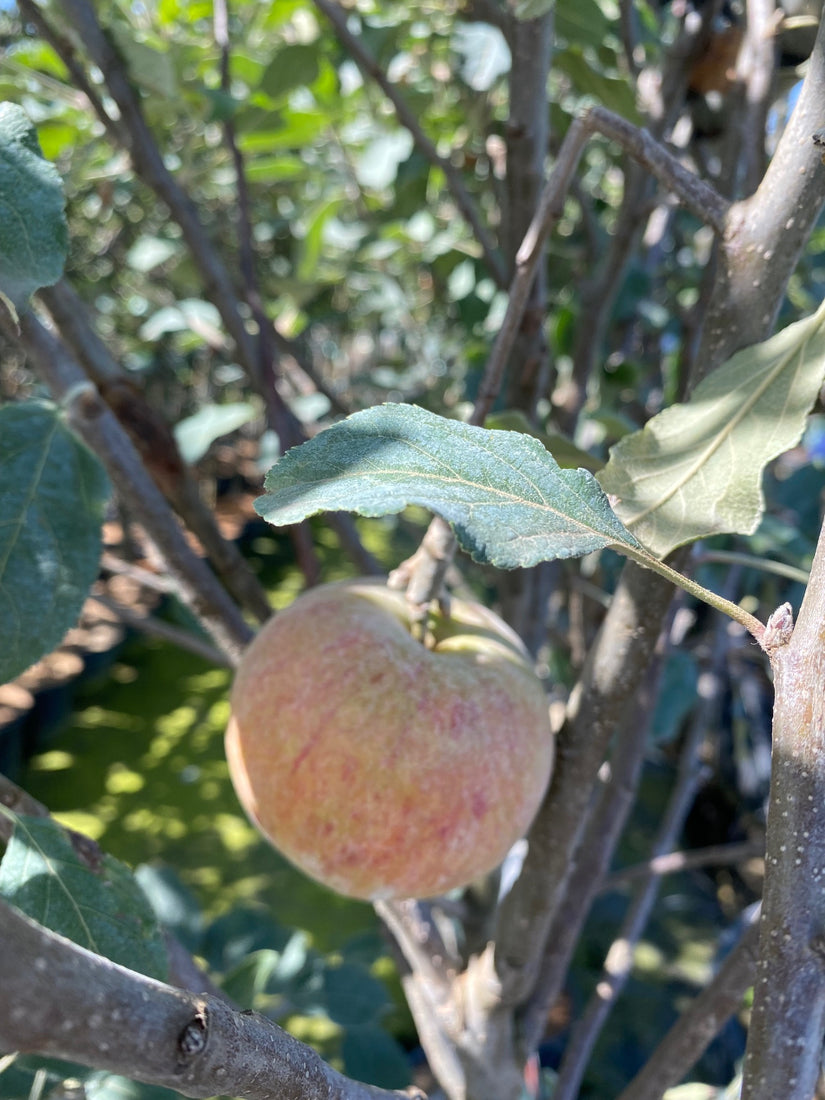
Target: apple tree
516, 301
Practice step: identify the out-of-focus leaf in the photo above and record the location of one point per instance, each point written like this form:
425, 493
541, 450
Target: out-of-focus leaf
198, 432
52, 494
311, 246
377, 166
582, 22
370, 1054
507, 499
109, 1086
352, 996
587, 80
150, 252
564, 450
93, 901
151, 68
484, 52
190, 314
292, 67
696, 468
33, 235
677, 696
533, 9
173, 903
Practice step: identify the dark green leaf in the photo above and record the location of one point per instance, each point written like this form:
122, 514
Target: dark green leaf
88, 898
292, 67
507, 499
352, 996
373, 1056
33, 234
52, 494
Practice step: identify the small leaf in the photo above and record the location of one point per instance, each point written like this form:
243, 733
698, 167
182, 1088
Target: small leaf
33, 235
91, 899
292, 67
507, 499
696, 468
52, 494
198, 432
370, 1054
352, 996
533, 9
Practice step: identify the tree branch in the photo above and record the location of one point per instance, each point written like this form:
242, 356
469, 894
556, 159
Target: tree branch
156, 443
701, 1022
63, 1001
619, 961
788, 1020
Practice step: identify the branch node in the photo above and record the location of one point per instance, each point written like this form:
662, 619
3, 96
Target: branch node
192, 1040
778, 629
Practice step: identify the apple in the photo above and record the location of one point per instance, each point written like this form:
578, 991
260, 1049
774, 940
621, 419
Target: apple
380, 766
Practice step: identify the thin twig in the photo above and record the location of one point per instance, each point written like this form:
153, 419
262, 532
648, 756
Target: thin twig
157, 628
714, 855
701, 1022
368, 65
157, 445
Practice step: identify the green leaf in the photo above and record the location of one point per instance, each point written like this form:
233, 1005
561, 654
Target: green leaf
196, 433
88, 898
582, 22
292, 67
34, 239
507, 499
565, 452
696, 468
370, 1054
352, 996
588, 80
52, 495
533, 9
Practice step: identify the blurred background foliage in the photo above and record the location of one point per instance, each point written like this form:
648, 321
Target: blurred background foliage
378, 291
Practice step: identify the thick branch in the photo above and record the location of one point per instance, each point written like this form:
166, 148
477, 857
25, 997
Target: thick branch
603, 700
63, 1001
619, 961
788, 1021
766, 233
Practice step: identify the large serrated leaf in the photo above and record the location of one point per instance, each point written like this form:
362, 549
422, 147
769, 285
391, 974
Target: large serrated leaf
33, 234
696, 468
507, 499
91, 899
52, 495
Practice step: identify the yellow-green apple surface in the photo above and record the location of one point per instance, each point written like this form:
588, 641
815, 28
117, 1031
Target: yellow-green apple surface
381, 767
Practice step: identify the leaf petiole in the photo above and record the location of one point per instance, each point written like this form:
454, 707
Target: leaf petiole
648, 561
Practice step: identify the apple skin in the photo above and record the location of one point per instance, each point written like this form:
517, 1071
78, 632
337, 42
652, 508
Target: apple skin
380, 767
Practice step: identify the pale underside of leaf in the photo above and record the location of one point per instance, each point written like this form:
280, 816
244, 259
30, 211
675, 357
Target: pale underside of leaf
696, 468
508, 501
